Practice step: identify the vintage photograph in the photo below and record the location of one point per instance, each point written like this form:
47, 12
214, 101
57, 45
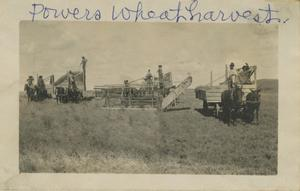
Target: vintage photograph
148, 98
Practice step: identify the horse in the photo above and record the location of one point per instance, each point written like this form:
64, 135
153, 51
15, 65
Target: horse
231, 102
41, 93
30, 91
60, 95
74, 95
252, 106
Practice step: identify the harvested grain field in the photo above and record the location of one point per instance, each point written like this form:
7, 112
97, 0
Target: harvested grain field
83, 138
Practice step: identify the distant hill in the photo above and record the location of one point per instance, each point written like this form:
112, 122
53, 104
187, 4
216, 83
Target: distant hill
268, 84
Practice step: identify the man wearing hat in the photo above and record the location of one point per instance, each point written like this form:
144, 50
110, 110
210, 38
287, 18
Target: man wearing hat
148, 79
160, 78
71, 81
148, 76
232, 74
83, 62
30, 82
29, 88
42, 92
126, 89
41, 83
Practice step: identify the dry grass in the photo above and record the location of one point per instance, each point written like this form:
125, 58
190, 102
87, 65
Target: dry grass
84, 138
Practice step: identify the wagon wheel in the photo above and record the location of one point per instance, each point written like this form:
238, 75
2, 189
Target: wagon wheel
217, 110
205, 106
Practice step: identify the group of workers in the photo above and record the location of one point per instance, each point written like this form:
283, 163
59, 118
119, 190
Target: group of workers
233, 75
39, 90
149, 77
40, 83
149, 80
41, 87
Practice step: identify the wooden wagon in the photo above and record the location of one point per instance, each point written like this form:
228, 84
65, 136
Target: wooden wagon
211, 95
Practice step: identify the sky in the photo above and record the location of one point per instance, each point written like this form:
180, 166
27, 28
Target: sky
125, 51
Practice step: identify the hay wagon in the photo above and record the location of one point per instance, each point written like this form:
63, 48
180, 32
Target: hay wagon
211, 95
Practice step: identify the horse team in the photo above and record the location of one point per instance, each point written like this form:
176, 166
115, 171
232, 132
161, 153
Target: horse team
232, 99
39, 92
233, 106
65, 95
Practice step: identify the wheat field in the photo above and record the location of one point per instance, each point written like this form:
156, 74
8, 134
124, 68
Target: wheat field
83, 138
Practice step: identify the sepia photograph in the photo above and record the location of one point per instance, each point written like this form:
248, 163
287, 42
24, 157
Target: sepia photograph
148, 98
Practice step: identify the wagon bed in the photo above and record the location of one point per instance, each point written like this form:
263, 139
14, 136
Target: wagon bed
210, 94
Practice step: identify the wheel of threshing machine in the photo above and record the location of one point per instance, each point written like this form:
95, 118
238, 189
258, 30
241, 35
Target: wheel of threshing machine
211, 108
215, 108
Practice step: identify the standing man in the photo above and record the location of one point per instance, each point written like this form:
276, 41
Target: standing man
126, 92
41, 83
126, 89
29, 88
160, 79
148, 76
148, 79
83, 65
71, 80
42, 92
232, 75
29, 83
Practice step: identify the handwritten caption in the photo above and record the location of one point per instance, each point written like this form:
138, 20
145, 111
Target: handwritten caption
179, 13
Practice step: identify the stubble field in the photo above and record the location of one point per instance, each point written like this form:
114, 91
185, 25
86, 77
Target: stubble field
83, 138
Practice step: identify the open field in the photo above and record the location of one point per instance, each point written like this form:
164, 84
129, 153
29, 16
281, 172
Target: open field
85, 138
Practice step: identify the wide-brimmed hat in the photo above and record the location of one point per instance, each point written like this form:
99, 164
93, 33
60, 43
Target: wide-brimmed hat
30, 78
